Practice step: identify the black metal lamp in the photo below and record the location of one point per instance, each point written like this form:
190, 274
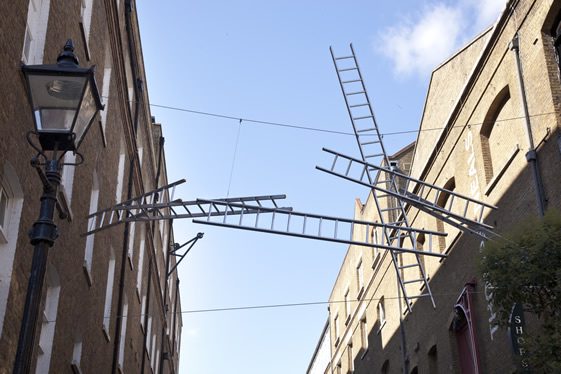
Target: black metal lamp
64, 100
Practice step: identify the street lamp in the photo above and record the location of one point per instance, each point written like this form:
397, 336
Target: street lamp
64, 101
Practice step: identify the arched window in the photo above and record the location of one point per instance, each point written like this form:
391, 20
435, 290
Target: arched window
11, 202
442, 202
493, 134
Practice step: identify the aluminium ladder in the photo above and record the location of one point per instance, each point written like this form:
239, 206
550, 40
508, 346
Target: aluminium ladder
372, 151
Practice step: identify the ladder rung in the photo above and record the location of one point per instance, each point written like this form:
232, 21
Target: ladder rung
343, 58
357, 105
372, 142
419, 296
366, 130
354, 93
374, 155
347, 69
351, 81
364, 117
389, 209
383, 195
414, 281
407, 266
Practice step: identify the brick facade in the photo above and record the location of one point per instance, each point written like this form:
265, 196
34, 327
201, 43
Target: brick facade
121, 153
475, 101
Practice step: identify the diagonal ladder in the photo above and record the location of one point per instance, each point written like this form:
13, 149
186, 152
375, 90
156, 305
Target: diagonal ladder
372, 150
425, 198
314, 226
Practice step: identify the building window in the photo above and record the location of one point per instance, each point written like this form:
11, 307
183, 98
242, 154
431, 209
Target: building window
350, 359
109, 294
35, 31
120, 174
49, 322
360, 279
442, 202
90, 239
364, 335
148, 332
4, 212
422, 262
67, 179
433, 359
106, 86
493, 133
381, 313
347, 307
336, 327
86, 21
557, 42
130, 252
143, 311
141, 249
76, 357
123, 335
11, 203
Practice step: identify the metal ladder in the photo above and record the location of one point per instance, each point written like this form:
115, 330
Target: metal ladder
425, 198
372, 151
282, 221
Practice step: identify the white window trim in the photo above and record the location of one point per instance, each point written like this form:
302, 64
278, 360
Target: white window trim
12, 186
108, 305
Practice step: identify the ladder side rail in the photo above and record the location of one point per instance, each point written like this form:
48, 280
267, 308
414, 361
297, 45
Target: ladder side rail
347, 103
409, 178
435, 211
311, 236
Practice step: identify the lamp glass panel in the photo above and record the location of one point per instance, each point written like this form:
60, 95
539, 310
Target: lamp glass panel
88, 110
55, 100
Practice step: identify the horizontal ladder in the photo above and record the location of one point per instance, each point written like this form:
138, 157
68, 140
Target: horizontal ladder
146, 211
313, 226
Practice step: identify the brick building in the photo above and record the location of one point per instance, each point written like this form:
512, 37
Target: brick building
480, 145
106, 306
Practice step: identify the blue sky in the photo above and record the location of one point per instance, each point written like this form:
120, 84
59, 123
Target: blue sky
270, 61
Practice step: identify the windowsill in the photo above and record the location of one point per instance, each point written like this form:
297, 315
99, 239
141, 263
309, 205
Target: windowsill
138, 295
106, 333
87, 273
360, 292
364, 353
102, 129
75, 367
85, 40
382, 324
129, 257
65, 202
3, 236
376, 260
493, 182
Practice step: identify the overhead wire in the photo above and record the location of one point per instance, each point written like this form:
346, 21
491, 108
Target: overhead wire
286, 305
308, 128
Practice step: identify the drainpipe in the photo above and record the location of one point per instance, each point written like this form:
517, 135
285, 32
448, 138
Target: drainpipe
137, 91
402, 336
531, 156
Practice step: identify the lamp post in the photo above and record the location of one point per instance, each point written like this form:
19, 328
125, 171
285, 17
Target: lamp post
64, 101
